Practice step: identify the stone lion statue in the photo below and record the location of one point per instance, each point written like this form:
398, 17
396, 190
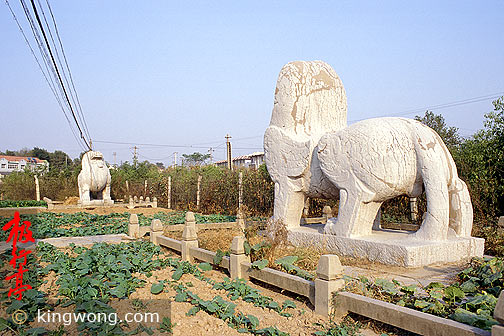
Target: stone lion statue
310, 152
94, 179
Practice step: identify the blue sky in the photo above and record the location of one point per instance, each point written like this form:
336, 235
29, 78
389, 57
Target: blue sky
189, 72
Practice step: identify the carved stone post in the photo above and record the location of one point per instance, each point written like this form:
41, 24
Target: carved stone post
240, 220
498, 330
154, 202
133, 226
413, 208
306, 208
237, 257
156, 230
329, 279
189, 237
327, 212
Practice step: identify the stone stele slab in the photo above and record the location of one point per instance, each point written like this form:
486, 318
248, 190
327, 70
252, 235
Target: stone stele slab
390, 247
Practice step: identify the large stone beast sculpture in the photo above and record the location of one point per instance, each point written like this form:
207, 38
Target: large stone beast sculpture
378, 159
94, 179
310, 152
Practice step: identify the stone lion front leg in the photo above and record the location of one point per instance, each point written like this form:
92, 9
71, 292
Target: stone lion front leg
289, 204
106, 192
84, 193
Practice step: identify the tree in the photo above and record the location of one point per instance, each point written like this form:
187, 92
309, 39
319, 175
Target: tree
195, 159
437, 122
40, 153
481, 163
160, 165
59, 160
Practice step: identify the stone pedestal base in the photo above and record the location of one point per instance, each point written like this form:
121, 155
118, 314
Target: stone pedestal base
95, 203
389, 247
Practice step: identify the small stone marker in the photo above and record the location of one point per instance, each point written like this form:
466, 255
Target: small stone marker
329, 273
237, 257
156, 230
134, 226
189, 237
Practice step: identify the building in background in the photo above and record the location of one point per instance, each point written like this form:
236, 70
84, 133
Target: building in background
9, 164
253, 161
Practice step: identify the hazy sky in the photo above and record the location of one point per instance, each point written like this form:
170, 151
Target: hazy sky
188, 72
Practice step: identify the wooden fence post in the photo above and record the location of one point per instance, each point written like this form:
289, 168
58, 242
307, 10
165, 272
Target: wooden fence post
240, 190
237, 257
169, 192
37, 188
156, 230
133, 226
198, 193
329, 279
189, 237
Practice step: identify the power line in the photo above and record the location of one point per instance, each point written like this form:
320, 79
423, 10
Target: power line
57, 71
54, 76
47, 77
443, 106
79, 109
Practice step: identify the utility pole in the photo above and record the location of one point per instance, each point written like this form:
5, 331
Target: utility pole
175, 159
135, 157
91, 144
228, 147
115, 154
211, 150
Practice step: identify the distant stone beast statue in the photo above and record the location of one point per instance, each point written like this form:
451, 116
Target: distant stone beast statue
310, 151
94, 180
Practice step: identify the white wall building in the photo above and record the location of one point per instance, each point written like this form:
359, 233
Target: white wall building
253, 160
9, 164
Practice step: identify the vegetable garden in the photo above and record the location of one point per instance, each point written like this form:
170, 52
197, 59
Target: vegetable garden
97, 278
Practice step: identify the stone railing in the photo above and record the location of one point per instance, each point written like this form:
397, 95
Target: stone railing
135, 202
325, 292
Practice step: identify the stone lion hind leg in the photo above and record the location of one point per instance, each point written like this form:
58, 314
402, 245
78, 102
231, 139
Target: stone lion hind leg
435, 223
461, 211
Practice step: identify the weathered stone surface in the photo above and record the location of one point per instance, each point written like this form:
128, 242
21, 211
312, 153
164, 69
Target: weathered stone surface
309, 102
499, 309
323, 294
237, 245
310, 152
156, 225
405, 318
134, 226
94, 177
389, 246
501, 222
378, 159
329, 267
133, 219
497, 330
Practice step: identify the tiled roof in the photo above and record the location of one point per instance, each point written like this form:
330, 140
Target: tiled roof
19, 158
